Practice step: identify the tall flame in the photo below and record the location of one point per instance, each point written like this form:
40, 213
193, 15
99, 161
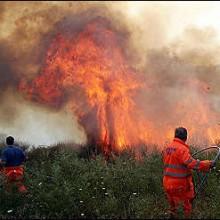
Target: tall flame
90, 72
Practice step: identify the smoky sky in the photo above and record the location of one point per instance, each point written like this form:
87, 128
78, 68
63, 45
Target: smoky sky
185, 68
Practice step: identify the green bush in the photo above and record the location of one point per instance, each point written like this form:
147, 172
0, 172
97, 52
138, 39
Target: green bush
64, 184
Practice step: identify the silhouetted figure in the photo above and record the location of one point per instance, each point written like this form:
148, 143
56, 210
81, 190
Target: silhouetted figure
12, 160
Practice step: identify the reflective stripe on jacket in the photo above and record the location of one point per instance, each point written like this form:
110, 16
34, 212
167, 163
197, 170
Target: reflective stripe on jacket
178, 161
14, 173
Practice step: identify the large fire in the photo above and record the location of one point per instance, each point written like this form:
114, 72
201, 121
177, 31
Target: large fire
89, 71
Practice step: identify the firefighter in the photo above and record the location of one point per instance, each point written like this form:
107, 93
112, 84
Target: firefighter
177, 176
12, 160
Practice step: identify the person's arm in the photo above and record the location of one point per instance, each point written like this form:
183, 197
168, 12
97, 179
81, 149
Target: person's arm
3, 158
192, 163
1, 162
23, 156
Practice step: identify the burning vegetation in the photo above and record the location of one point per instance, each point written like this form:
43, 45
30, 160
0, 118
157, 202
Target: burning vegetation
90, 64
90, 72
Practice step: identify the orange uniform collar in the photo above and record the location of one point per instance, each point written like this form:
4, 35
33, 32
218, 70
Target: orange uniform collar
180, 141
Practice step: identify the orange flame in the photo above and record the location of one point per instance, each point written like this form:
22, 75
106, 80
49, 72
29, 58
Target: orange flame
90, 72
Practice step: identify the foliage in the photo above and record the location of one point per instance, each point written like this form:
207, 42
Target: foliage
63, 184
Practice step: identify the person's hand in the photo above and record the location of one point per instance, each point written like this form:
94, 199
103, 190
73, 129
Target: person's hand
213, 164
1, 163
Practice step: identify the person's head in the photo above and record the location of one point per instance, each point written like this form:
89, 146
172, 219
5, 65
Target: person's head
181, 133
9, 140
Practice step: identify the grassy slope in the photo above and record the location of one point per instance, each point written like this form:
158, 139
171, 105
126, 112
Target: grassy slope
63, 185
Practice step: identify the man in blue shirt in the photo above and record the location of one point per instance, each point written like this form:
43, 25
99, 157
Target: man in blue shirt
12, 159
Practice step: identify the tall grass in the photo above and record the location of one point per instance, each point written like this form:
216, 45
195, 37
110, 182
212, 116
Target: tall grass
64, 183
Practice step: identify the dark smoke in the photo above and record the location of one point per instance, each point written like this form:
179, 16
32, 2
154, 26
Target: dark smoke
168, 70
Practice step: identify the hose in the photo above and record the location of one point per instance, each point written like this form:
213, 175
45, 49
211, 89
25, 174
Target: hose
204, 178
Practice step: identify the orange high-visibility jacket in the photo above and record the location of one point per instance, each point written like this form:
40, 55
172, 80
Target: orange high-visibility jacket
14, 173
178, 163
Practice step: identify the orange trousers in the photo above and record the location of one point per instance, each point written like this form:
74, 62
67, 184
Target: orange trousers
176, 199
179, 192
14, 176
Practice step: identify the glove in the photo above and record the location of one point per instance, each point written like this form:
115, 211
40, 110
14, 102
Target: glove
213, 164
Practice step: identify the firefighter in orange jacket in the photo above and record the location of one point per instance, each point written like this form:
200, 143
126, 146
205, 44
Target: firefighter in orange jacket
177, 180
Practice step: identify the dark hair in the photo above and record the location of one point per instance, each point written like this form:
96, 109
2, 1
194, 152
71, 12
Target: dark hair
181, 133
9, 140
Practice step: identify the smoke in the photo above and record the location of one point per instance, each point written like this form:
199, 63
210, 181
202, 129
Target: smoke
179, 58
